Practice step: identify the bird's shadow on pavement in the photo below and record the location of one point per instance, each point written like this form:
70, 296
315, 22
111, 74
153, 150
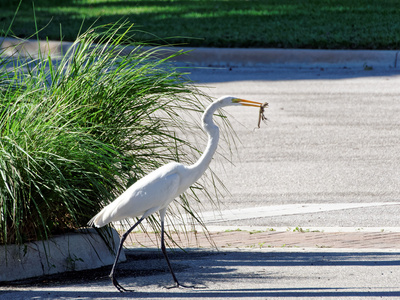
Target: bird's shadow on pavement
214, 271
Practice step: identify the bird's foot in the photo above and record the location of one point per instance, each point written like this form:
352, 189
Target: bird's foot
179, 285
118, 286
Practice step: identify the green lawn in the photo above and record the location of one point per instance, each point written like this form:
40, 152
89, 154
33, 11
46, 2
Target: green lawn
334, 24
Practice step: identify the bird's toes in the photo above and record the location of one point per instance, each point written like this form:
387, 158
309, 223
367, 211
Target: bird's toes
183, 286
119, 287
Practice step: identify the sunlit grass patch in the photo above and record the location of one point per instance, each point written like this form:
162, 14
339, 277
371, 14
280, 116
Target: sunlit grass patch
318, 24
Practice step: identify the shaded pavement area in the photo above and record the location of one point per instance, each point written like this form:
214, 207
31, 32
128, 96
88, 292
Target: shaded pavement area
230, 274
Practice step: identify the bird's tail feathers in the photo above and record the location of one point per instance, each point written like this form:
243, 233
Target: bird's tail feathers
101, 219
105, 216
93, 222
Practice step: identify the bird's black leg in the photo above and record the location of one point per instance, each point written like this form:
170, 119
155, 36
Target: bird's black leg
164, 251
114, 267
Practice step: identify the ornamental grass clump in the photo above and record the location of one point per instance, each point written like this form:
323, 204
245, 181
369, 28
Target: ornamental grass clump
76, 130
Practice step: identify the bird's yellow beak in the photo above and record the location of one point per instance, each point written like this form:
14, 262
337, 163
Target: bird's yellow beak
247, 102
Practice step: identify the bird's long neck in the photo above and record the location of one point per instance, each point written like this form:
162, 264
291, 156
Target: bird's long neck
213, 137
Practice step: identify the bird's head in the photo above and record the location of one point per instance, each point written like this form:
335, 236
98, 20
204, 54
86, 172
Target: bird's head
229, 101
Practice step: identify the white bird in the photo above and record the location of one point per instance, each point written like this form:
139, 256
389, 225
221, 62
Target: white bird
157, 190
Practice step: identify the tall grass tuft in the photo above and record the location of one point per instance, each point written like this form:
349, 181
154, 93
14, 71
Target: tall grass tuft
75, 131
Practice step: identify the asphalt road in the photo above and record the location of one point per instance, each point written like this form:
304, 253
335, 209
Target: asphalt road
333, 137
232, 274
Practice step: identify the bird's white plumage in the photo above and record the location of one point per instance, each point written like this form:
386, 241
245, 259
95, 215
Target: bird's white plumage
146, 196
155, 191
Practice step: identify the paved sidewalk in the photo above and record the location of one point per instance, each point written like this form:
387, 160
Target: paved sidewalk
295, 238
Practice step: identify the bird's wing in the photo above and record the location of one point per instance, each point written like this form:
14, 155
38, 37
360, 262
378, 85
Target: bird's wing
148, 195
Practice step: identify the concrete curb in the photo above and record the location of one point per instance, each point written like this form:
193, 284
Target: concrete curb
70, 252
233, 57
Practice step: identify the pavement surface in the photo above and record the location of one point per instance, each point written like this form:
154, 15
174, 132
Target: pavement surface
296, 238
231, 274
314, 194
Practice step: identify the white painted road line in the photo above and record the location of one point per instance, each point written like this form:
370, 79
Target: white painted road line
211, 217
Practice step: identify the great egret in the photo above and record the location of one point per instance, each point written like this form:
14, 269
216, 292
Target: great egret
155, 191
